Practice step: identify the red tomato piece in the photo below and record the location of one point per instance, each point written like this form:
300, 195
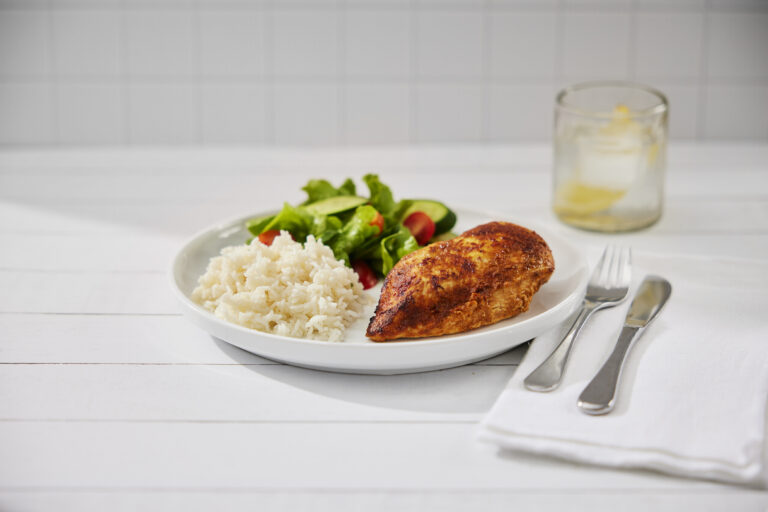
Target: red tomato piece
378, 221
268, 237
365, 274
421, 226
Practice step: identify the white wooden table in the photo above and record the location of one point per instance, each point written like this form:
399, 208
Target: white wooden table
110, 400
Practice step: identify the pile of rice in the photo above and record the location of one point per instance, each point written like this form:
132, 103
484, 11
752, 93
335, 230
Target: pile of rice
284, 288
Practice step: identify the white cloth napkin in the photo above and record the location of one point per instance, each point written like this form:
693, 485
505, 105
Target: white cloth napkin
692, 398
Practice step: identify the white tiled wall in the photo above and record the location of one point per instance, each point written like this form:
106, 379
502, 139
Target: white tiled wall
335, 72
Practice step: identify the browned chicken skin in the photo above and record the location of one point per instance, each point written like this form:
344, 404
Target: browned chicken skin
485, 275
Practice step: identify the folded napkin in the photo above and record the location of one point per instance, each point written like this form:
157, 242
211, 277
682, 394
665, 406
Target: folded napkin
692, 398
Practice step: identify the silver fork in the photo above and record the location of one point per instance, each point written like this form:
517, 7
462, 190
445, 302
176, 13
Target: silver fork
607, 287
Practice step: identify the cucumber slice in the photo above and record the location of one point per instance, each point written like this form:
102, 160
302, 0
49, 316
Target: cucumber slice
335, 205
449, 235
440, 214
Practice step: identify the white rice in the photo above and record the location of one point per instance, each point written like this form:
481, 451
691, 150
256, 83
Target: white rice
285, 288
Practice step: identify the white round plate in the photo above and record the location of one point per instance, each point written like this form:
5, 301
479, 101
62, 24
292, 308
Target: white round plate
552, 304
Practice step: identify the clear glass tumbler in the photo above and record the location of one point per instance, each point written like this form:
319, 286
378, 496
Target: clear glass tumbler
610, 156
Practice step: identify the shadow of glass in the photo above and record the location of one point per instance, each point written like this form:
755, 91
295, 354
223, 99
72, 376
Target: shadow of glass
465, 389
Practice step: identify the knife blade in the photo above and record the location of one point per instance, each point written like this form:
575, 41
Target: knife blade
599, 396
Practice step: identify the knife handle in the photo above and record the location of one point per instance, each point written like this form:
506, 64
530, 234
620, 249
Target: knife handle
600, 394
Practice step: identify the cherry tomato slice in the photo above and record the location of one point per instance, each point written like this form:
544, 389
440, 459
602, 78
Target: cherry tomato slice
378, 221
421, 226
365, 274
268, 237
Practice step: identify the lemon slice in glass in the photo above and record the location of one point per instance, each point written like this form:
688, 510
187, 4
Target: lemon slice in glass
579, 199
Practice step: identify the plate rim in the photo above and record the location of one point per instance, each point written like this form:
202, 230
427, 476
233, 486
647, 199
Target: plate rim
192, 307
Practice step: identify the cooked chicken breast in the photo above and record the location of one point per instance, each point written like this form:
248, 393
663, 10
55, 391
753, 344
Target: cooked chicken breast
487, 274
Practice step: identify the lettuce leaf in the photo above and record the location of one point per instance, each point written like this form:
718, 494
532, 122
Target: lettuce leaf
322, 189
384, 253
295, 220
355, 233
300, 223
381, 195
256, 226
395, 246
349, 234
384, 202
325, 228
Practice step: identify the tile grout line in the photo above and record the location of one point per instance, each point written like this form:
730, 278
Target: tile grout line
269, 74
197, 72
486, 49
124, 76
148, 79
391, 6
341, 86
559, 75
703, 89
53, 76
563, 491
632, 47
413, 121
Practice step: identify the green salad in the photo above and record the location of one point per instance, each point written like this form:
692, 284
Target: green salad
370, 234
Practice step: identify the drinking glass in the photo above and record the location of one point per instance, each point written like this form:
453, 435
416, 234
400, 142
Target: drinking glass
610, 156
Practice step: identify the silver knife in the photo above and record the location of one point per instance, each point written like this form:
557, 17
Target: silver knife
600, 394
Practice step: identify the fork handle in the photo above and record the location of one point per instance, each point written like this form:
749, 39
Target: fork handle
549, 373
